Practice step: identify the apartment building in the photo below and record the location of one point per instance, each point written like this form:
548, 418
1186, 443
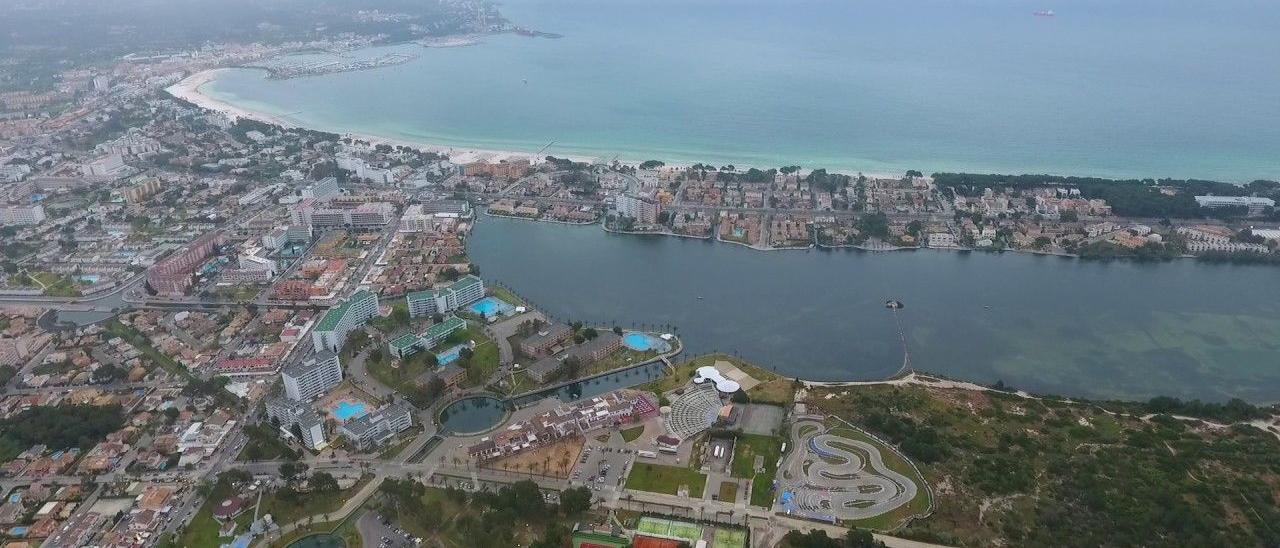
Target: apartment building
463, 292
331, 331
312, 377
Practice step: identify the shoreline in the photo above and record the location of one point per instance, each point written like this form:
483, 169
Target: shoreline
189, 89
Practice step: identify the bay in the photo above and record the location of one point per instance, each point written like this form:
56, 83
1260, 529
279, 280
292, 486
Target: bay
1141, 88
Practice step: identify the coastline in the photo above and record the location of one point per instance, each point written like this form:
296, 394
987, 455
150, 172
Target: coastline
189, 89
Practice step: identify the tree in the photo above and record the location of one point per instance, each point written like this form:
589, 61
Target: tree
575, 500
292, 471
858, 538
590, 333
323, 482
236, 475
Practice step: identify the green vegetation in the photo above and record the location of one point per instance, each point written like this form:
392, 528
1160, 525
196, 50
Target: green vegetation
202, 530
1128, 198
818, 538
264, 444
1028, 472
631, 434
657, 478
58, 427
55, 285
143, 344
745, 450
288, 504
506, 295
728, 492
515, 515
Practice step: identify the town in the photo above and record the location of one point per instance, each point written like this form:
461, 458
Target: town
222, 331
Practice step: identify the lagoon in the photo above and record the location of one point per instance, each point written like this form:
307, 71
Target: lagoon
1045, 324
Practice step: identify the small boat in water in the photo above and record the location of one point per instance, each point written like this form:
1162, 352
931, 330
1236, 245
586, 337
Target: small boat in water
1044, 13
893, 305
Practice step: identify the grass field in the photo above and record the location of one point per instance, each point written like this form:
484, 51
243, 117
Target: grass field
670, 528
729, 538
202, 531
633, 433
506, 295
728, 492
745, 451
657, 478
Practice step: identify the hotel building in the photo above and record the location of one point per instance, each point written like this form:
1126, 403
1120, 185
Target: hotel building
305, 380
331, 332
463, 292
377, 427
289, 413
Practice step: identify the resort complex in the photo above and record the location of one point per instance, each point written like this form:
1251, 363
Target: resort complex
220, 328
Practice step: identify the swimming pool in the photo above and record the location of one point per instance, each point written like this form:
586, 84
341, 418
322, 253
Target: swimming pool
449, 355
346, 410
491, 306
637, 341
641, 342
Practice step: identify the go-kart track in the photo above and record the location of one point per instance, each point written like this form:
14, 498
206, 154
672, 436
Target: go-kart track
830, 477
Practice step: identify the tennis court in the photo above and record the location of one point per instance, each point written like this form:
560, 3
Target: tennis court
659, 527
729, 538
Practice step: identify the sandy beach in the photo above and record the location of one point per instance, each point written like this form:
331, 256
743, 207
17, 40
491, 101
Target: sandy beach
189, 89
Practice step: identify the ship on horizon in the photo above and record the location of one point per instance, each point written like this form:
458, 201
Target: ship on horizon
1044, 13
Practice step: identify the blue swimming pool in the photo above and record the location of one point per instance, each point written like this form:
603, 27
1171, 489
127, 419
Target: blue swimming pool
637, 341
449, 355
347, 410
491, 306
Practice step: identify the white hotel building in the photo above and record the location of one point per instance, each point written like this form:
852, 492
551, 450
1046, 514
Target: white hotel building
305, 380
331, 332
463, 292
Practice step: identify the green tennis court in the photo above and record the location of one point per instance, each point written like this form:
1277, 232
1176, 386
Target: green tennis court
729, 538
659, 527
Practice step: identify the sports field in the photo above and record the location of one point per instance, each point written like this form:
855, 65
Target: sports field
729, 538
659, 527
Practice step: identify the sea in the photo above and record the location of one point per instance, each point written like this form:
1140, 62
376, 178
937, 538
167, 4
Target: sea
1133, 88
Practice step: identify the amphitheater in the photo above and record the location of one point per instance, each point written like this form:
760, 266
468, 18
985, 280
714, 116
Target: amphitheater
831, 477
694, 411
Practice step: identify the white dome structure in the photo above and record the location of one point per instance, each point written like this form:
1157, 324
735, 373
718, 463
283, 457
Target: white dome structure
723, 384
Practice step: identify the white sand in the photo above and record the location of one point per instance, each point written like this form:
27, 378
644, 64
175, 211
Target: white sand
189, 89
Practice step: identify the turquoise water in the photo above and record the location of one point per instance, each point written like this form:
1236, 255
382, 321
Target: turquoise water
637, 341
1148, 88
490, 306
642, 342
448, 356
346, 410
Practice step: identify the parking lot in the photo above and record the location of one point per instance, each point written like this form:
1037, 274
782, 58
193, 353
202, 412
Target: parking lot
375, 530
602, 466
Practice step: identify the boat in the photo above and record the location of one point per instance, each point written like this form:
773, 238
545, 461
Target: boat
1044, 13
893, 305
699, 297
